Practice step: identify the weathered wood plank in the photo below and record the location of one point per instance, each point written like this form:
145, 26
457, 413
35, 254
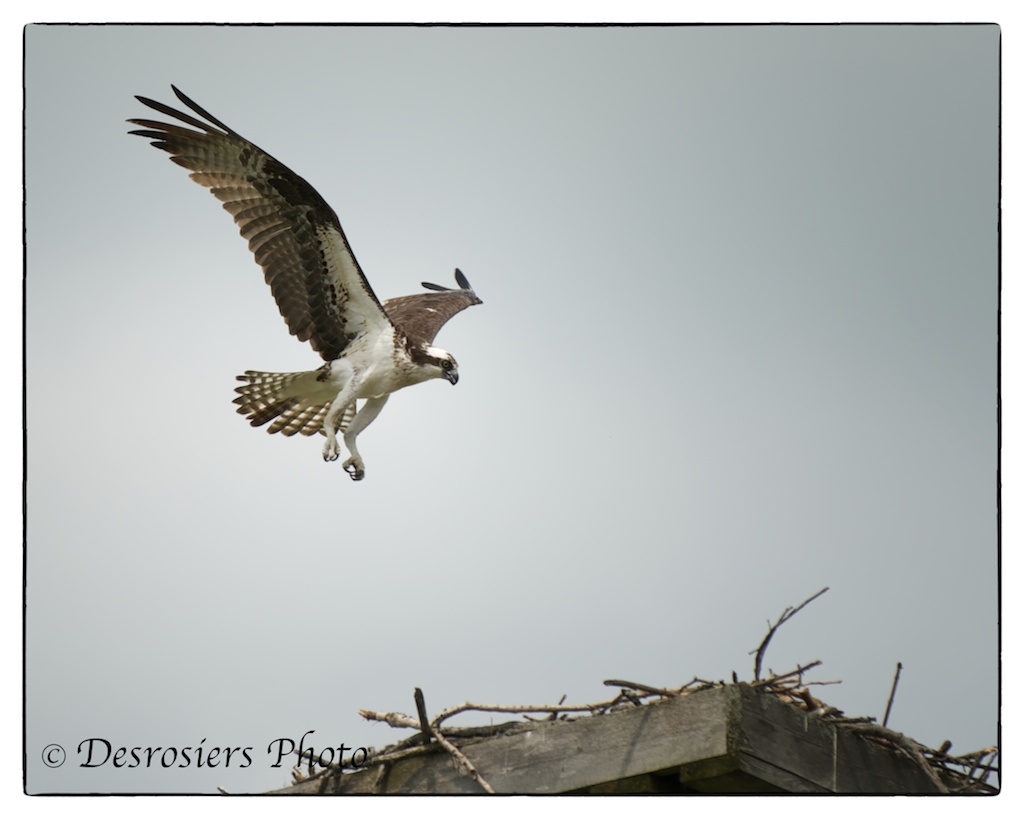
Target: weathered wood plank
801, 753
797, 748
863, 766
558, 757
734, 739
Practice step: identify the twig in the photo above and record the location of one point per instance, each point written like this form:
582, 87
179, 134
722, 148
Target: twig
977, 763
511, 709
786, 615
892, 693
808, 699
701, 684
552, 717
421, 710
461, 758
903, 743
392, 718
397, 720
612, 705
650, 689
776, 679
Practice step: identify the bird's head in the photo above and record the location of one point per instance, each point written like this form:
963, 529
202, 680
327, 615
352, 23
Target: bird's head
444, 364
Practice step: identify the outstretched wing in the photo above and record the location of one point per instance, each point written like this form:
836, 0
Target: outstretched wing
422, 315
294, 234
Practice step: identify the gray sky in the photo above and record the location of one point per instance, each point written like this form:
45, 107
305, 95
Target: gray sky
738, 343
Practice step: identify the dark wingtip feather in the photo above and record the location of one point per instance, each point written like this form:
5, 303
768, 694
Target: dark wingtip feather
200, 110
460, 277
181, 116
147, 133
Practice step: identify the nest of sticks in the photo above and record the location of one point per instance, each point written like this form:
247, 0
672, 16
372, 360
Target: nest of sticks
950, 773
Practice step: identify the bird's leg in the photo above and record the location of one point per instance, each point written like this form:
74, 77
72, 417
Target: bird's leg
331, 448
370, 409
334, 415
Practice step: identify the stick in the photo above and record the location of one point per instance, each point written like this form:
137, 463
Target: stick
903, 743
777, 678
786, 615
508, 709
650, 689
553, 716
402, 721
462, 759
398, 720
392, 718
421, 710
892, 693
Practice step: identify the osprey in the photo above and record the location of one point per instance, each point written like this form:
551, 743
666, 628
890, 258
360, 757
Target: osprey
370, 349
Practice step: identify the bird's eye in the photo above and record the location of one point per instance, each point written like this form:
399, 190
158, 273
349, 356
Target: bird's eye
446, 364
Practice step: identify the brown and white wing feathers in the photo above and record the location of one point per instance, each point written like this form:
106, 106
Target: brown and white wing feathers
422, 315
290, 402
294, 234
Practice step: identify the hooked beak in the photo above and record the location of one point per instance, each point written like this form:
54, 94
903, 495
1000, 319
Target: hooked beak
452, 376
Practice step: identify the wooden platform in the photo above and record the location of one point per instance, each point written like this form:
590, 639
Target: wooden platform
727, 740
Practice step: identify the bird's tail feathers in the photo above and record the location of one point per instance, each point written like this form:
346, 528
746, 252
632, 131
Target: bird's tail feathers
294, 402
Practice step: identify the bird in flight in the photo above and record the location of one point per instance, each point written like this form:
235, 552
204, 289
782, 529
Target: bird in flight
371, 349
